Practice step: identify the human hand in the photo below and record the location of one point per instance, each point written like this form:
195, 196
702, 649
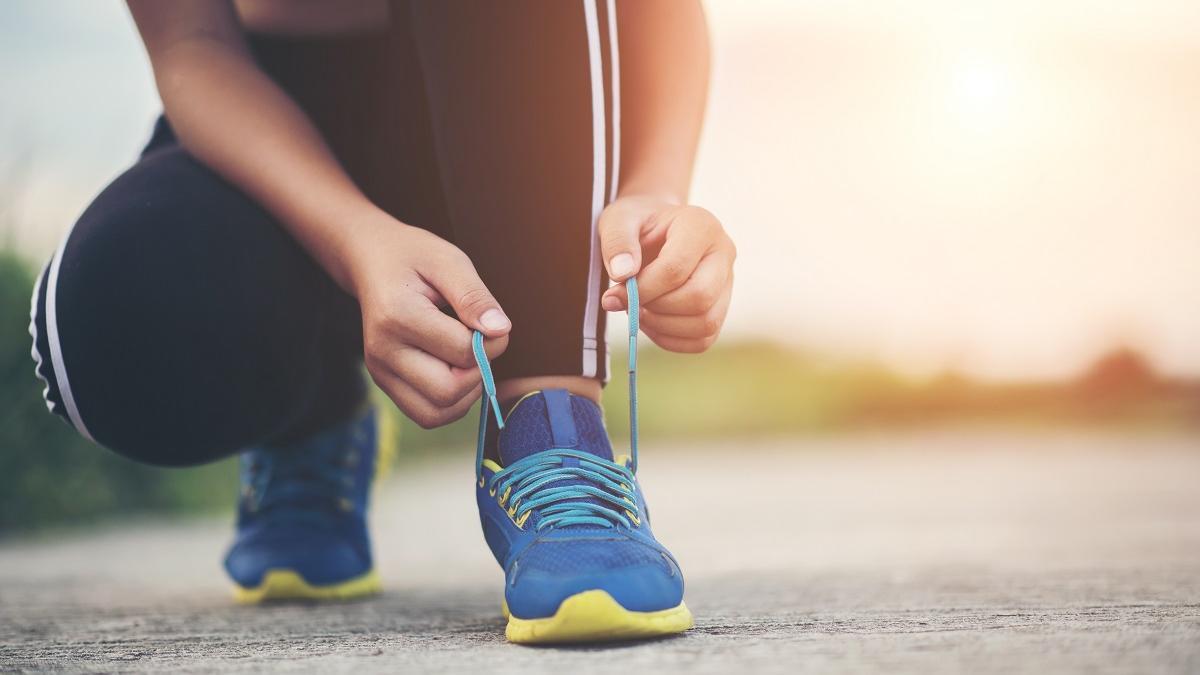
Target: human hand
684, 264
420, 356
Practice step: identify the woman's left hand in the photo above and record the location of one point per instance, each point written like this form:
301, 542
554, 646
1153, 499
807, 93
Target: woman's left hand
684, 264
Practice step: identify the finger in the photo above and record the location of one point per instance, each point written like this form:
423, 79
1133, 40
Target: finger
440, 383
420, 409
445, 337
433, 331
454, 277
705, 324
686, 244
615, 298
699, 293
677, 344
619, 230
494, 347
689, 237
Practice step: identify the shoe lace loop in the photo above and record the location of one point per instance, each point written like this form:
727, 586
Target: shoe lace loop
599, 491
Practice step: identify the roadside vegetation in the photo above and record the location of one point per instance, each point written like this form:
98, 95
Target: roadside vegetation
51, 477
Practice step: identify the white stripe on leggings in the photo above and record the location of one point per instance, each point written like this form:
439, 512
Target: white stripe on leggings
614, 59
56, 353
33, 333
591, 309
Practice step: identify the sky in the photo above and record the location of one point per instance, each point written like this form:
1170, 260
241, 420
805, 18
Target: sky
1001, 188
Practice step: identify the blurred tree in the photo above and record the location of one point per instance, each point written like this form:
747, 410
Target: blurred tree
1121, 372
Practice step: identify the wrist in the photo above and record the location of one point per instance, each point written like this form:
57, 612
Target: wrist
360, 235
663, 197
636, 187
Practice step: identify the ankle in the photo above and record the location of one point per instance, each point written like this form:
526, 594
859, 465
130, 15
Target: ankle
514, 388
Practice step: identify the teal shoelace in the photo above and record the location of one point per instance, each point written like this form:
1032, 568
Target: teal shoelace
600, 492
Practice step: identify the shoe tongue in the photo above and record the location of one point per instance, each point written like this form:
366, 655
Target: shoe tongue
553, 418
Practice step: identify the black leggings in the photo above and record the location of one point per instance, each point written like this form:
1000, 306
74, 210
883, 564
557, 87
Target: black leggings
178, 322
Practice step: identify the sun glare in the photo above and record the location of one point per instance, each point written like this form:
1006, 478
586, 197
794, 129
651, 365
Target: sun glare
981, 91
980, 84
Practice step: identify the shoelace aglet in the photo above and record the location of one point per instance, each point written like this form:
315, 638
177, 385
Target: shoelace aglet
489, 382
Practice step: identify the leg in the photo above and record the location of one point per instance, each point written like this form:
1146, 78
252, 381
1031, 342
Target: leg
522, 101
521, 107
178, 323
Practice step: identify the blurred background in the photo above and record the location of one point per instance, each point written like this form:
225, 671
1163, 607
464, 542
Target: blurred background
967, 215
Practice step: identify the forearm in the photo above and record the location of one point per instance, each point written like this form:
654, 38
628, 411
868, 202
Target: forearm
664, 87
236, 120
233, 118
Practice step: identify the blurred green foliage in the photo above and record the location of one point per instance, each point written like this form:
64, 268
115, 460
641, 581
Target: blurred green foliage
754, 389
744, 388
50, 476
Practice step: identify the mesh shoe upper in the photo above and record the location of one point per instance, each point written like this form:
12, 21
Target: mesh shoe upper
303, 507
548, 559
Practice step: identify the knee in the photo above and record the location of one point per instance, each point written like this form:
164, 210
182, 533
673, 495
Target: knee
154, 344
103, 377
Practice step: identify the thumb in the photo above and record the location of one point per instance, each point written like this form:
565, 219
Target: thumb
620, 244
459, 284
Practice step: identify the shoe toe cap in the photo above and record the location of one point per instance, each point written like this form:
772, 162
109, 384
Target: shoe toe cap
639, 577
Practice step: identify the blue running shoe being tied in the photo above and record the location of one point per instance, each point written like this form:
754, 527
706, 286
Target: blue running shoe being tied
567, 521
301, 523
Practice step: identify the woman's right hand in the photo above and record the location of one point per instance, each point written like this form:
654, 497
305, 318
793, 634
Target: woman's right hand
240, 123
419, 355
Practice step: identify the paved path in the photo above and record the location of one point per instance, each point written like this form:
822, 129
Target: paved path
921, 553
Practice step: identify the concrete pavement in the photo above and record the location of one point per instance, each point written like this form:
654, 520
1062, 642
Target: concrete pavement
920, 552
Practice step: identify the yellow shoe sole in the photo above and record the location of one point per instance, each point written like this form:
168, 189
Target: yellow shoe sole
288, 585
594, 616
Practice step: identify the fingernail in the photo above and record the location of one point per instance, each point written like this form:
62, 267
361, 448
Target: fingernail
494, 319
610, 303
621, 265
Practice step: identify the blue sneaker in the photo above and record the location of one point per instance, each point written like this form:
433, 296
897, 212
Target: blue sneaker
301, 524
568, 523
